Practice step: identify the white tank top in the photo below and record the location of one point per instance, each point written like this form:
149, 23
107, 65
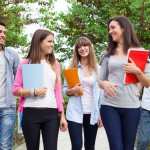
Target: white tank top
87, 98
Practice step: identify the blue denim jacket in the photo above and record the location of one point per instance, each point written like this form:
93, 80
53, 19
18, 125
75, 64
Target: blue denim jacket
11, 65
74, 110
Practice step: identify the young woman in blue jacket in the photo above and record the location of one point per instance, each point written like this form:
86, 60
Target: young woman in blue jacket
83, 111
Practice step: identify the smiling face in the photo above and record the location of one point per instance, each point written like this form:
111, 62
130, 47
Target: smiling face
115, 31
2, 36
83, 51
47, 46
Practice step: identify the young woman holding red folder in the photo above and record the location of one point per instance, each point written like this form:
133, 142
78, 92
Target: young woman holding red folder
41, 114
83, 111
120, 109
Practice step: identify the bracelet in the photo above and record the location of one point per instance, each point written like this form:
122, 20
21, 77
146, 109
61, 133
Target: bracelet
35, 93
138, 74
32, 92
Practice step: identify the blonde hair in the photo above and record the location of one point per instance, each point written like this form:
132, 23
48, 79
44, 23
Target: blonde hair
92, 62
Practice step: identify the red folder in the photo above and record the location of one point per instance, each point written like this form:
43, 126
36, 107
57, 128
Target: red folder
72, 78
139, 56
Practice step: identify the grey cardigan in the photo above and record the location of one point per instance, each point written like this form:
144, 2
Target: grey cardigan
11, 64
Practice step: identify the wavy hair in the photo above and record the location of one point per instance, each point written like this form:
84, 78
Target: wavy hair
129, 36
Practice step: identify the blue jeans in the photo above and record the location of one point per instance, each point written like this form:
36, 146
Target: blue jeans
75, 132
7, 123
143, 130
121, 126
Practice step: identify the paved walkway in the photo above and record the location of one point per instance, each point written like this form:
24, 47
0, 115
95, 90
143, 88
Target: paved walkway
64, 141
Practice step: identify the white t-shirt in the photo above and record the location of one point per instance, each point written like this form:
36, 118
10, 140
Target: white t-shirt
145, 103
2, 80
49, 78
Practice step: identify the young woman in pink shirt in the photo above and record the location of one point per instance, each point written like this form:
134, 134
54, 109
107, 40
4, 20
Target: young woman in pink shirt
42, 113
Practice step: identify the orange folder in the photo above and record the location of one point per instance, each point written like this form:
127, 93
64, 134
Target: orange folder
139, 56
72, 78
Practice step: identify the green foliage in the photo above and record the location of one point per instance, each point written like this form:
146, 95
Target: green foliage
89, 18
16, 14
10, 14
84, 18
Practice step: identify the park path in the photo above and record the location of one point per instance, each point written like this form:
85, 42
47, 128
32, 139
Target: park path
64, 141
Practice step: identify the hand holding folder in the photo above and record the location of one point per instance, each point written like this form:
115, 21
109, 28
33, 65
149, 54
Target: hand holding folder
72, 78
139, 56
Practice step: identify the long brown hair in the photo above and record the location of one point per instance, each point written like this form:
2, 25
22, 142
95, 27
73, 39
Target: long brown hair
34, 54
129, 35
84, 41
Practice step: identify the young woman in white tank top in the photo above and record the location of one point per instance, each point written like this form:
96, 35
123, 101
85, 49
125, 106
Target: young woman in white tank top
83, 111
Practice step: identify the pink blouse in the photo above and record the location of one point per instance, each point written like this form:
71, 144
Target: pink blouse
18, 84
